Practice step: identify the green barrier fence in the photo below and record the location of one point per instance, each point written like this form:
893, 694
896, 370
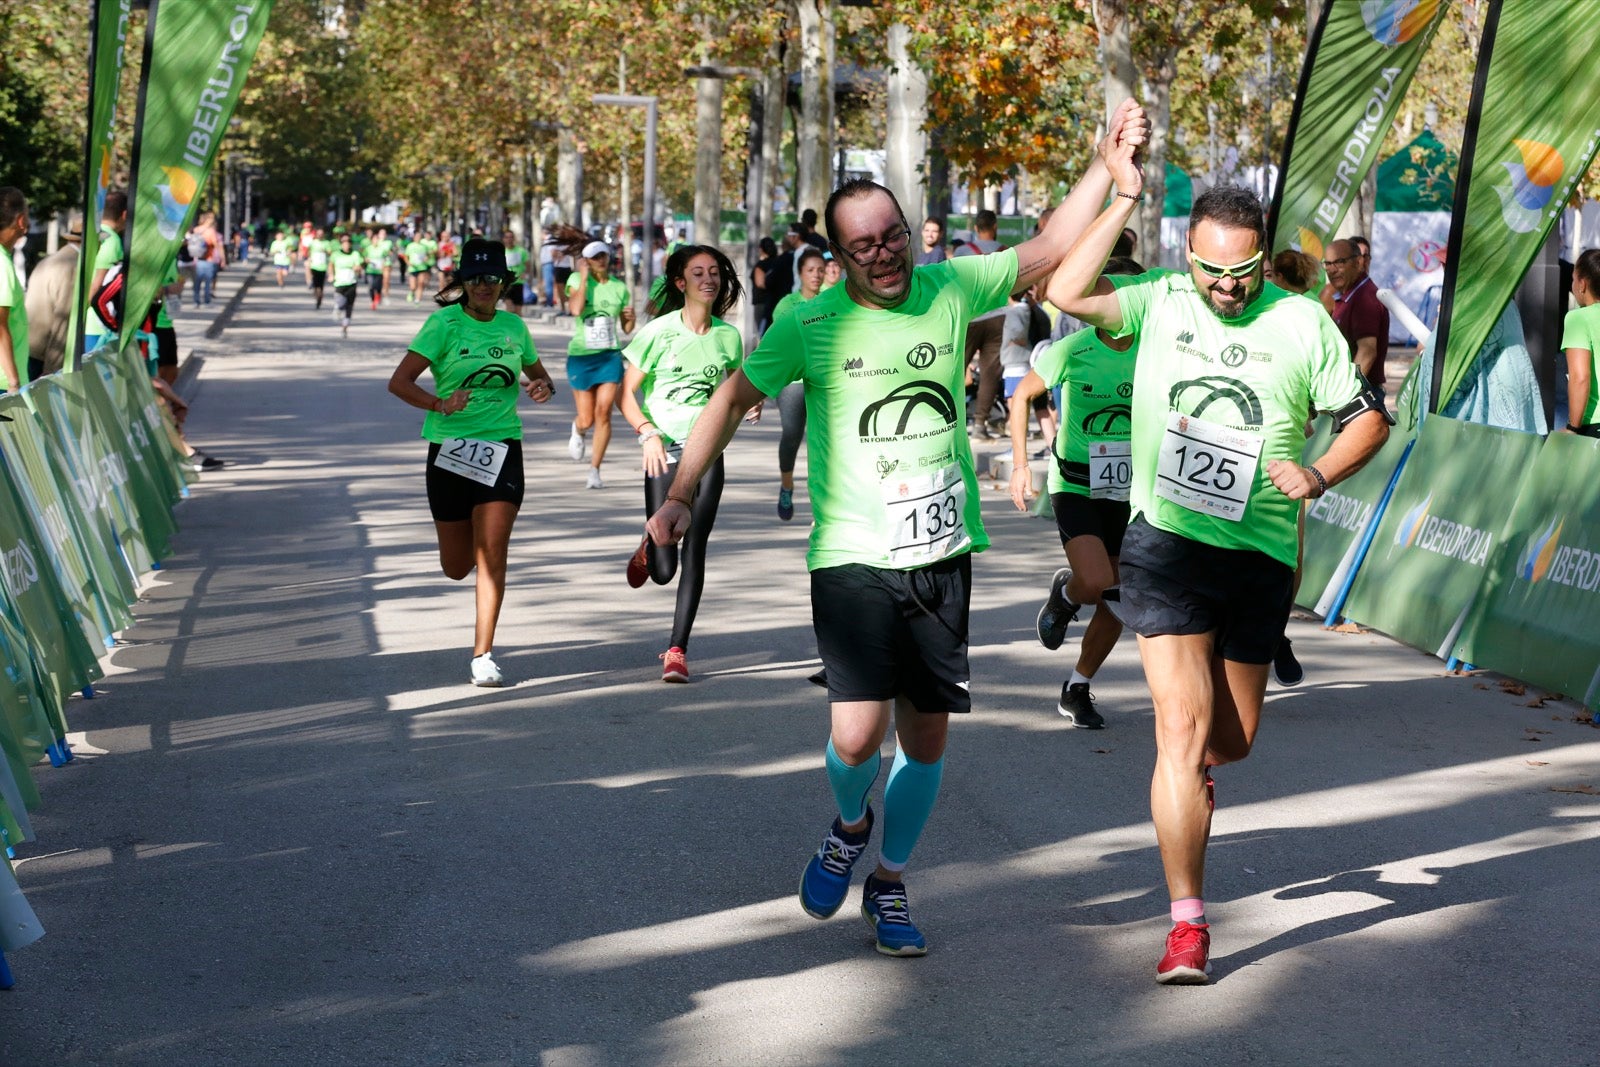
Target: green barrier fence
89, 473
1433, 544
1537, 617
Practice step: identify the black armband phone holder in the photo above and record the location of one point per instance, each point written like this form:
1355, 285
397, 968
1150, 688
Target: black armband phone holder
1364, 402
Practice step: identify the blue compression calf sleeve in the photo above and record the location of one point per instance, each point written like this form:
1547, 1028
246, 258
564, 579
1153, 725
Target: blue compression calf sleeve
907, 802
851, 784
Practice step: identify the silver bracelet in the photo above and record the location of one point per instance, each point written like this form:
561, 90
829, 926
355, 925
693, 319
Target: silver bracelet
645, 435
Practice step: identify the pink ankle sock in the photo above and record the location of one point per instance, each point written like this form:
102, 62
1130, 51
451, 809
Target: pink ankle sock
1189, 910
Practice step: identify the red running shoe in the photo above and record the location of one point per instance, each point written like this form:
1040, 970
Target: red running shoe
639, 564
674, 665
1187, 960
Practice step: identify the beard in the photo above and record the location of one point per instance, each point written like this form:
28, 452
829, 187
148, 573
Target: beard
1253, 287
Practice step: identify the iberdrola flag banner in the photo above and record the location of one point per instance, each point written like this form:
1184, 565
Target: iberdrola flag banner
1531, 134
196, 54
108, 46
1360, 62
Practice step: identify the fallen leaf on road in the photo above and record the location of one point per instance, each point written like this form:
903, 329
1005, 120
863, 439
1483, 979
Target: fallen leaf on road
1586, 790
1479, 685
1514, 688
1533, 730
1536, 702
1348, 628
1537, 762
1101, 751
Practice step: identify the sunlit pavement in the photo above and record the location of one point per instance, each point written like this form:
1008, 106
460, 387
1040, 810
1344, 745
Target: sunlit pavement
309, 841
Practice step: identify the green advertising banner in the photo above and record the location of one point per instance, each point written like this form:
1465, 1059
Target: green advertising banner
19, 926
98, 469
25, 730
145, 492
59, 653
1538, 617
92, 517
108, 48
1336, 520
195, 59
1434, 542
128, 382
41, 497
1532, 131
1359, 64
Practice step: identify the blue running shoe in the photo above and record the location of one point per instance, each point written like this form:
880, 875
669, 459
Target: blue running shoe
785, 504
826, 879
883, 904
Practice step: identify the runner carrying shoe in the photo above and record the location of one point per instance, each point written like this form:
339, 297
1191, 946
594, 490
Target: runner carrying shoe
603, 310
895, 497
474, 467
1228, 366
1088, 484
674, 362
346, 265
792, 401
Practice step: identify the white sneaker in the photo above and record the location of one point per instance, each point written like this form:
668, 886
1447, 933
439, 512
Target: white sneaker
594, 481
575, 444
486, 672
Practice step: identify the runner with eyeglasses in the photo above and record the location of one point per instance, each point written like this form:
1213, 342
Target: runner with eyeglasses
474, 467
894, 498
1228, 366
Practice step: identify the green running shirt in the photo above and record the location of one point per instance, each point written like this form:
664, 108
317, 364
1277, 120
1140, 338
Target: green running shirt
1096, 402
485, 357
1256, 376
891, 477
681, 369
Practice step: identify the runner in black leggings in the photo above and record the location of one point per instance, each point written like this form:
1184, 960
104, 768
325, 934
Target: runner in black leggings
674, 364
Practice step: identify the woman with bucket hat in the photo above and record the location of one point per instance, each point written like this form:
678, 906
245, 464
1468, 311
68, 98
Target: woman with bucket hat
474, 468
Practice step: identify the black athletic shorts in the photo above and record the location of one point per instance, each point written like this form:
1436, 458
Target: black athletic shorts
885, 633
318, 278
451, 497
1174, 585
375, 281
514, 292
166, 346
1081, 516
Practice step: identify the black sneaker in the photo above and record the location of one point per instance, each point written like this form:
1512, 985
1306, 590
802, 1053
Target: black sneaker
1286, 670
1077, 706
1058, 612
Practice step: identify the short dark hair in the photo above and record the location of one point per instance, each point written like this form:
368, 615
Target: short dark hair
936, 221
850, 190
769, 247
1122, 265
1588, 268
116, 204
12, 204
1125, 243
808, 218
809, 252
985, 220
1296, 270
1231, 206
1363, 245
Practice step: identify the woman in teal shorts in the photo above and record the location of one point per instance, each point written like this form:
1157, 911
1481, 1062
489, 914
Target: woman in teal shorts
604, 310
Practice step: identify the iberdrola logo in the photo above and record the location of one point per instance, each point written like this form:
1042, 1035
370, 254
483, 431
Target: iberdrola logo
1394, 22
1411, 523
1532, 183
1539, 552
104, 184
1310, 243
176, 196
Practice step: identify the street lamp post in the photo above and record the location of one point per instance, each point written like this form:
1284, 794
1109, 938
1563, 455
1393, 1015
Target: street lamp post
649, 105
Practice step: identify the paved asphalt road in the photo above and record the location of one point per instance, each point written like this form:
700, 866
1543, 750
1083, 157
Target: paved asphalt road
296, 836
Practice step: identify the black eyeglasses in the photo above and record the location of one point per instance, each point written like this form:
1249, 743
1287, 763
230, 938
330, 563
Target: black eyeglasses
894, 243
1336, 262
484, 279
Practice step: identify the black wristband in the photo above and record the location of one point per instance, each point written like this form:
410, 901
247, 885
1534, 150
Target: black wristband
1322, 483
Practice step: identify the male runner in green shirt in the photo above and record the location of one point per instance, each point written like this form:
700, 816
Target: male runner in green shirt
1228, 367
895, 502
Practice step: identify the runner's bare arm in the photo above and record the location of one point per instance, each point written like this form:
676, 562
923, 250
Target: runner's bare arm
8, 358
1358, 442
1580, 368
713, 429
1076, 287
403, 384
577, 297
1039, 256
1017, 422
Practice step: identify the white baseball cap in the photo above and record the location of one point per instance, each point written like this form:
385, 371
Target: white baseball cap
596, 248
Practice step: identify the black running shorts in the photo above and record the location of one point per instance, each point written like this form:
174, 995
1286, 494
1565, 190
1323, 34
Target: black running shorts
1174, 585
886, 633
1081, 516
166, 346
452, 497
318, 278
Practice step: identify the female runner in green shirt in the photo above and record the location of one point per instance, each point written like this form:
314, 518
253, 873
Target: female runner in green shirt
474, 471
792, 400
676, 362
